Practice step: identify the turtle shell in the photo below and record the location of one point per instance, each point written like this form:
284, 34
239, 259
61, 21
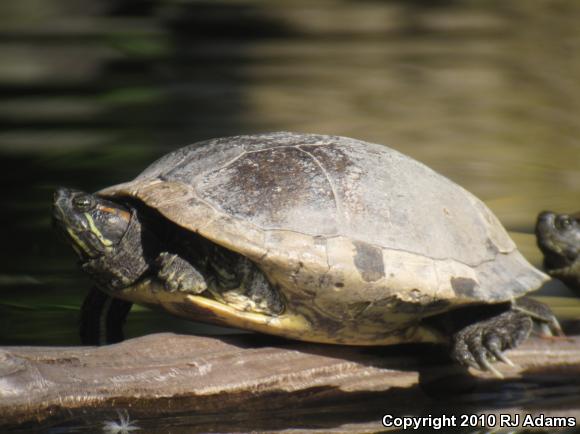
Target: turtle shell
347, 230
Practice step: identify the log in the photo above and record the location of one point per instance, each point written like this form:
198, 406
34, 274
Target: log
257, 376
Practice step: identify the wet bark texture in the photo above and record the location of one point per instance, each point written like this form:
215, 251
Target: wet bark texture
168, 374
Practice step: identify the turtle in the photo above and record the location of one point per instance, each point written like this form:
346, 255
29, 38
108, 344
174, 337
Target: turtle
558, 237
310, 237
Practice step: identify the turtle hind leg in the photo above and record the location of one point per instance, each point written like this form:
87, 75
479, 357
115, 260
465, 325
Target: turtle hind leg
544, 319
480, 344
102, 318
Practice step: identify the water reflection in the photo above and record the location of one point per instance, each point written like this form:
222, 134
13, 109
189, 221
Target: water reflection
484, 92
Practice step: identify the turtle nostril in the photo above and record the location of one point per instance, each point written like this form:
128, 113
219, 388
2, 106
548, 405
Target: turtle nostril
60, 193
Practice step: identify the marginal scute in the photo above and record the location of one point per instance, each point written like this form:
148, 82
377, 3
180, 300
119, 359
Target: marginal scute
463, 286
302, 256
368, 259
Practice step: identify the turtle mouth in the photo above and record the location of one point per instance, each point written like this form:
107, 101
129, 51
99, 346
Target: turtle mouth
80, 239
66, 228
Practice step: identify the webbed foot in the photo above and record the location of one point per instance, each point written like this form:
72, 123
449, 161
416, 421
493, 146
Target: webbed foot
179, 275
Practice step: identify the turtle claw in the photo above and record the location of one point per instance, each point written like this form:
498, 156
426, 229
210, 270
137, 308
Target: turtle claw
484, 360
481, 343
544, 330
485, 355
503, 358
493, 345
555, 328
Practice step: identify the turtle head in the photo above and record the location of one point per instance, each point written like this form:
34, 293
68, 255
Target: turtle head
90, 223
558, 237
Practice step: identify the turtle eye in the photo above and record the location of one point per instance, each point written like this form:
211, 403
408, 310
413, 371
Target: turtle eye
563, 222
83, 203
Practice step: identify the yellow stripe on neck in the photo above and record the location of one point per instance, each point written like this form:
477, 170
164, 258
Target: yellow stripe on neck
98, 234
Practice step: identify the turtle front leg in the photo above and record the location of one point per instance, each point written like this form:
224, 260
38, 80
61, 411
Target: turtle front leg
178, 274
480, 344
